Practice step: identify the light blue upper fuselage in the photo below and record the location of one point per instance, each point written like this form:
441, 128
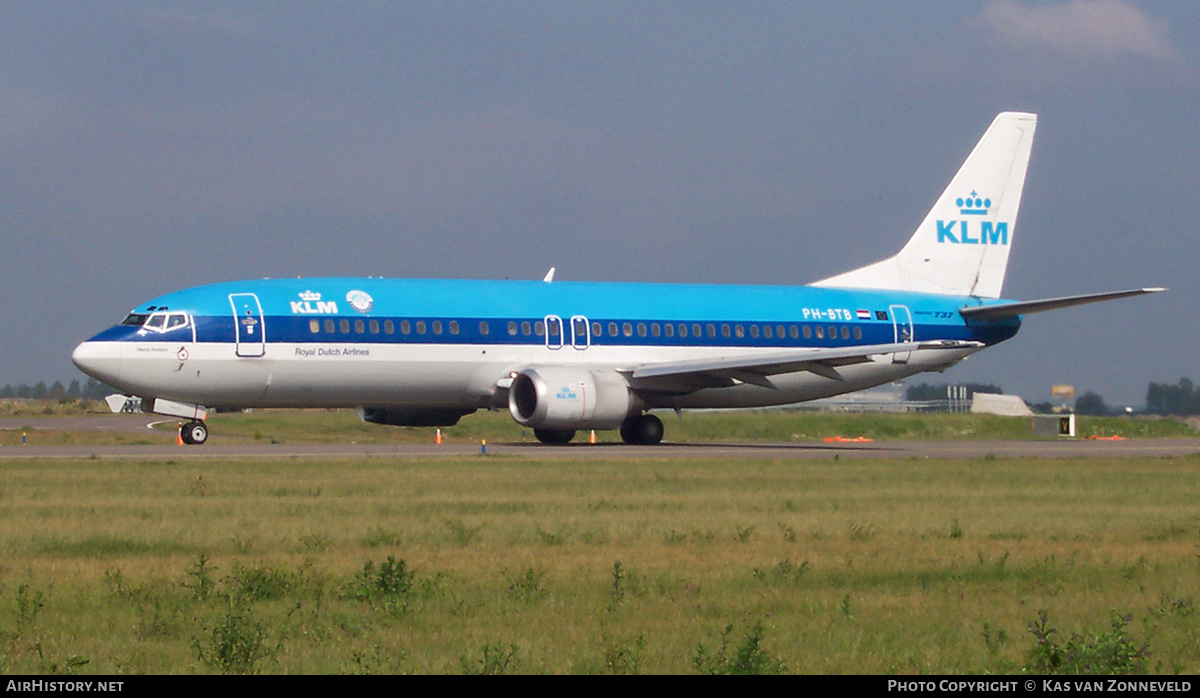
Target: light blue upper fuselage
288, 305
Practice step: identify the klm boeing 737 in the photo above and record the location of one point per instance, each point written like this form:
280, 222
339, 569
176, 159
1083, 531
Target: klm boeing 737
562, 357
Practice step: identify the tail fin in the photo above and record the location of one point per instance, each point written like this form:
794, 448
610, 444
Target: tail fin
961, 248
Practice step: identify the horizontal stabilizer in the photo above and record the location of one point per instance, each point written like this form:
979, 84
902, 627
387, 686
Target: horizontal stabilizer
1003, 310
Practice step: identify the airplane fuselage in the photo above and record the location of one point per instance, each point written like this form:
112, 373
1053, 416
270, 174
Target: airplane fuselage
449, 345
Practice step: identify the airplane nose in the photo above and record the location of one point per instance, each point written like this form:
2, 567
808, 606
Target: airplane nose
98, 360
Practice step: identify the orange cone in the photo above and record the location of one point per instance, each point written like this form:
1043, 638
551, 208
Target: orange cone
438, 439
593, 439
179, 435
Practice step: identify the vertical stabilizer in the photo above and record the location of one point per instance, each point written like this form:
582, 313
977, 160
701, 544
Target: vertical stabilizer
961, 248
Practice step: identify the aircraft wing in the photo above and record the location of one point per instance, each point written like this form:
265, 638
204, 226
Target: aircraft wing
719, 372
1001, 310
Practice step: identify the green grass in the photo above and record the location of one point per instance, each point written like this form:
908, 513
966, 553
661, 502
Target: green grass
502, 565
344, 426
293, 426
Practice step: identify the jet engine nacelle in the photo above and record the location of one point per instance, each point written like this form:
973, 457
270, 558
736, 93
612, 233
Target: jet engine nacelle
555, 397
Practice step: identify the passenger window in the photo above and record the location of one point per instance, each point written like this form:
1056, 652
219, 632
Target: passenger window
669, 329
420, 327
641, 329
525, 328
682, 330
374, 327
845, 332
596, 329
405, 327
329, 327
314, 326
483, 328
389, 327
807, 332
725, 331
820, 332
344, 326
832, 332
655, 329
612, 329
696, 330
858, 333
539, 328
739, 331
627, 329
512, 328
454, 327
712, 330
437, 326
359, 326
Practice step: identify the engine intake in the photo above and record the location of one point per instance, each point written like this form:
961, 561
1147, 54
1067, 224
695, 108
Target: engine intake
553, 397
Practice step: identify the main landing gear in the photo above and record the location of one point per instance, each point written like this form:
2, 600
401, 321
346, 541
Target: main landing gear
642, 430
194, 432
554, 437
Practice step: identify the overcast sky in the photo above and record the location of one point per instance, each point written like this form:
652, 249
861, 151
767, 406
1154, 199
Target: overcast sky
151, 146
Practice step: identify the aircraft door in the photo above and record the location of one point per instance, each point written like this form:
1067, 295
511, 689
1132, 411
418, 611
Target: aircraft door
554, 332
581, 333
902, 326
250, 338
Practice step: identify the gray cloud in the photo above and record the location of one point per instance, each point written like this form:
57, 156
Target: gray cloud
1082, 28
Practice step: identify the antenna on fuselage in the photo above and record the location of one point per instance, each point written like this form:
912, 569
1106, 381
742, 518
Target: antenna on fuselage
549, 276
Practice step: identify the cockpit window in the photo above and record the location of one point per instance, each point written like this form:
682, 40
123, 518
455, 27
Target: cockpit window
162, 322
134, 320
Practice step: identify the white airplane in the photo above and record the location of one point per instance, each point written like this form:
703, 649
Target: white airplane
566, 356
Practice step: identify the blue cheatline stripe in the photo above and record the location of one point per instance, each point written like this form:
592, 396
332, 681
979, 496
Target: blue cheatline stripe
297, 330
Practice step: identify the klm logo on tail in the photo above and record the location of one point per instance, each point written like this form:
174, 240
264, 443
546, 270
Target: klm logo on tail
968, 232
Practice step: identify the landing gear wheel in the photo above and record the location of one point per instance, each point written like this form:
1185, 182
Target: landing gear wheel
554, 436
194, 433
644, 430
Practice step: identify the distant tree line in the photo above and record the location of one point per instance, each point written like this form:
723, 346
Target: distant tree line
1181, 398
91, 390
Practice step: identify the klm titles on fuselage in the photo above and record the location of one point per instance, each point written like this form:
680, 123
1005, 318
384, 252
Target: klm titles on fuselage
964, 233
310, 303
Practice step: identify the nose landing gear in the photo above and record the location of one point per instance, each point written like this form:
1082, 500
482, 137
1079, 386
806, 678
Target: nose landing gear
194, 433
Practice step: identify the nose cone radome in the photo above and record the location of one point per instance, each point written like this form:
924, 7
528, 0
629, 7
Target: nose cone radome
100, 360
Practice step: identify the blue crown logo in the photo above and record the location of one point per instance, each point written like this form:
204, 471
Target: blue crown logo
973, 205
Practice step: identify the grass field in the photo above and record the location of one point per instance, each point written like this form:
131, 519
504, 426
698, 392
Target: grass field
344, 426
491, 565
